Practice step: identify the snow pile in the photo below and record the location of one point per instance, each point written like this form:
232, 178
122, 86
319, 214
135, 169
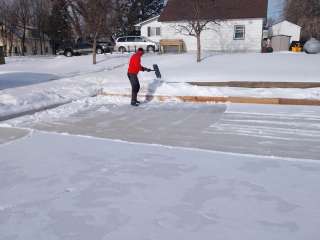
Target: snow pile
84, 81
24, 99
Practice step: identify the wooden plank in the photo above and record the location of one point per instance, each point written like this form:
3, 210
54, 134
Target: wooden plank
245, 84
203, 99
251, 100
217, 99
311, 102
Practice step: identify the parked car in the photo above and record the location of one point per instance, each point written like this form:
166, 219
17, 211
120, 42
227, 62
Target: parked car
107, 47
80, 48
132, 43
312, 46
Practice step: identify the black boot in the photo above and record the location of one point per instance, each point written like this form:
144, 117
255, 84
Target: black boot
135, 104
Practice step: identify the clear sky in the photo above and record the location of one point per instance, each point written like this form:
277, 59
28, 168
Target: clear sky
276, 8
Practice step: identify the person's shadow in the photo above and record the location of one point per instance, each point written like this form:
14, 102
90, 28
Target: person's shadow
152, 88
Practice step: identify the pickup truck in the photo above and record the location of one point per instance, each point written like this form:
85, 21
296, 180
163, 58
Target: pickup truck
81, 48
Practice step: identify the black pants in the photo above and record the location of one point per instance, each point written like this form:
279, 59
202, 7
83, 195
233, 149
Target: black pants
135, 85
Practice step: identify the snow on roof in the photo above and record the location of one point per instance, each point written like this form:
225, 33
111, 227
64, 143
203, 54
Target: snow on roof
283, 21
147, 21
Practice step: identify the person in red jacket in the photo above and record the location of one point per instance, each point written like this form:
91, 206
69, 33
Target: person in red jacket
134, 68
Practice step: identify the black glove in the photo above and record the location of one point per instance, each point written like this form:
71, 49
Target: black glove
146, 69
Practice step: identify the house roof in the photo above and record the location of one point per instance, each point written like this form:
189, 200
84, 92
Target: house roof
182, 10
147, 21
285, 21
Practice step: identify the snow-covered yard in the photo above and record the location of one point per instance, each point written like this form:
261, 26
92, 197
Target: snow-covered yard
97, 168
24, 71
78, 78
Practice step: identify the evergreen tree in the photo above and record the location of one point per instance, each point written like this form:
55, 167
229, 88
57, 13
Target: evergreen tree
59, 27
135, 11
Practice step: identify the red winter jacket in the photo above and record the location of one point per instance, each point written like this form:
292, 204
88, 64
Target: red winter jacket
135, 63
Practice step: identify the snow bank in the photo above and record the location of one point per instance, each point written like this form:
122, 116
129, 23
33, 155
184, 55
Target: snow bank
83, 81
25, 99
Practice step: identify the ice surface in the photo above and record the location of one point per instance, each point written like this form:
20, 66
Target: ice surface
64, 187
285, 131
8, 135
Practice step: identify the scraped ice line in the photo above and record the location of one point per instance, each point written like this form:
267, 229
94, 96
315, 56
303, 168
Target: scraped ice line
313, 125
315, 161
282, 115
250, 134
264, 129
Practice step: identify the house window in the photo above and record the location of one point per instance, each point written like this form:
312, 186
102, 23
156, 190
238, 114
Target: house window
239, 32
154, 31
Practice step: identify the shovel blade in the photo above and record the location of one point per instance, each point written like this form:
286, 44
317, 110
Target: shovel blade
157, 70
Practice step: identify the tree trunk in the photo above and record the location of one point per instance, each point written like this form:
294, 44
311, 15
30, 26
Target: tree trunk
23, 41
198, 48
41, 44
2, 59
10, 44
94, 50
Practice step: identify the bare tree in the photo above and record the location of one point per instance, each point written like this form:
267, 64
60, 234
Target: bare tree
40, 17
305, 13
75, 17
23, 15
95, 17
139, 10
197, 23
8, 24
59, 27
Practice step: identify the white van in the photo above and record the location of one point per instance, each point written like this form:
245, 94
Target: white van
132, 43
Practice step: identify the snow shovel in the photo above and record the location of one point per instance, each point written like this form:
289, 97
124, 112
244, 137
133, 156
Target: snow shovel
157, 71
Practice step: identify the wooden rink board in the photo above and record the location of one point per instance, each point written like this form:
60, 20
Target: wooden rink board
217, 99
244, 84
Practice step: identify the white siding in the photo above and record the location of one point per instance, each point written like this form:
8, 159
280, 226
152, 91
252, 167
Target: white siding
153, 24
217, 38
288, 29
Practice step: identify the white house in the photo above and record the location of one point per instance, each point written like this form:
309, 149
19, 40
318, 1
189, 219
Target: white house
239, 26
286, 28
11, 40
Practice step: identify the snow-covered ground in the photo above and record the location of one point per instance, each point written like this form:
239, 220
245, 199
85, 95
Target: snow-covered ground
23, 71
97, 168
281, 67
78, 78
